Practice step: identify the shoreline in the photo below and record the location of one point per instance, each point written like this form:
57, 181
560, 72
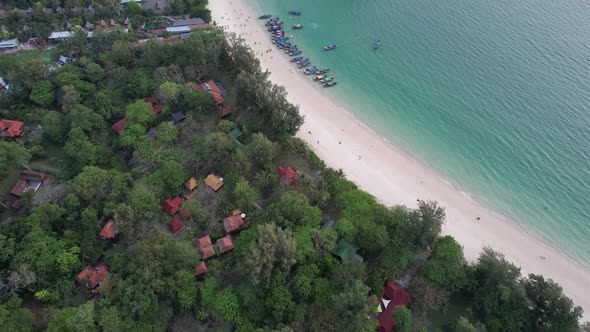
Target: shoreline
391, 174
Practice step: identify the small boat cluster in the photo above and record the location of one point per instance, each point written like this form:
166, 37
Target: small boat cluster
278, 37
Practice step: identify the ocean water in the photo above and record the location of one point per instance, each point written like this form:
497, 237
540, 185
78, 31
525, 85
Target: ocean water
494, 95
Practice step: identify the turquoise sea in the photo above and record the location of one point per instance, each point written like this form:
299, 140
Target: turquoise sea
494, 95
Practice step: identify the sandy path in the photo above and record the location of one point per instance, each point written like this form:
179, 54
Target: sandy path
389, 173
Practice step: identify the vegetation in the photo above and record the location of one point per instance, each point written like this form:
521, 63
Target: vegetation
281, 275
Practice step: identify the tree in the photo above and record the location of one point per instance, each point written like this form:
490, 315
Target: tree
42, 93
264, 151
186, 289
402, 318
294, 207
371, 237
244, 195
167, 179
447, 267
353, 305
14, 317
73, 319
464, 325
96, 186
140, 112
551, 310
12, 154
197, 102
168, 92
55, 127
70, 97
133, 134
85, 119
424, 224
274, 249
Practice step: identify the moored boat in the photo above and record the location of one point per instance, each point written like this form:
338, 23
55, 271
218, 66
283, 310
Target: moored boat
311, 70
305, 64
327, 79
329, 84
330, 47
296, 52
302, 61
294, 12
323, 71
319, 78
298, 26
264, 17
297, 58
377, 44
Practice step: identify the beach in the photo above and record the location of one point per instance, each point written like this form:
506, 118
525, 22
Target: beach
392, 175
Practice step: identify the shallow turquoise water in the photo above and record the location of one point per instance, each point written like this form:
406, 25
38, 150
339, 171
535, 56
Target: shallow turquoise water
495, 95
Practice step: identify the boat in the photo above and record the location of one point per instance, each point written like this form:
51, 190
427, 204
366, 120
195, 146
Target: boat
329, 47
264, 17
294, 12
302, 61
275, 28
329, 84
311, 70
291, 50
305, 64
323, 71
296, 52
377, 44
319, 78
327, 79
298, 26
297, 58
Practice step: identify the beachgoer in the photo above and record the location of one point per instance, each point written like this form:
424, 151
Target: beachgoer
478, 218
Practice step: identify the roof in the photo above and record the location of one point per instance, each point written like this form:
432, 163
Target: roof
109, 230
213, 89
347, 251
11, 128
191, 183
236, 133
393, 296
60, 35
118, 127
9, 43
19, 188
233, 224
33, 175
224, 111
172, 205
207, 252
204, 241
214, 182
188, 21
225, 244
287, 174
200, 269
157, 109
150, 100
219, 99
93, 276
178, 117
152, 133
175, 225
179, 29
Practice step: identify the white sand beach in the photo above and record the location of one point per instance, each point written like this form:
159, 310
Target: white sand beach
392, 175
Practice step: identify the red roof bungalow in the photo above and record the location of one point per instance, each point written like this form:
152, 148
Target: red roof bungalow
225, 244
235, 223
118, 127
212, 88
92, 277
200, 269
172, 205
11, 128
393, 296
109, 230
205, 247
175, 225
29, 181
288, 175
224, 111
150, 100
157, 109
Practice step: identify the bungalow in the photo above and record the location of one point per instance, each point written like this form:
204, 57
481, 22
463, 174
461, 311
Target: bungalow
288, 175
157, 109
224, 111
11, 128
46, 10
175, 225
205, 247
29, 181
393, 296
225, 244
214, 182
109, 230
150, 100
346, 251
178, 30
118, 127
9, 43
178, 117
214, 90
191, 23
92, 277
234, 223
57, 36
191, 184
172, 205
200, 269
3, 84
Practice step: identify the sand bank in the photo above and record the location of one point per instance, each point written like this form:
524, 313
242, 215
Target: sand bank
392, 175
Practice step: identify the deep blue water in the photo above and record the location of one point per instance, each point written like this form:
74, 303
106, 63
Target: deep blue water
495, 95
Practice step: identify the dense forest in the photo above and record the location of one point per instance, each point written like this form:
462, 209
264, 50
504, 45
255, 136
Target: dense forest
121, 128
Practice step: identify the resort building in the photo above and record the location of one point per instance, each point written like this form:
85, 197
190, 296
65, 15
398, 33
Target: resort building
11, 128
178, 30
109, 231
225, 244
393, 296
200, 269
190, 23
346, 251
205, 247
288, 175
235, 222
175, 225
224, 111
213, 89
214, 182
58, 36
29, 181
118, 127
8, 44
191, 184
172, 205
92, 277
